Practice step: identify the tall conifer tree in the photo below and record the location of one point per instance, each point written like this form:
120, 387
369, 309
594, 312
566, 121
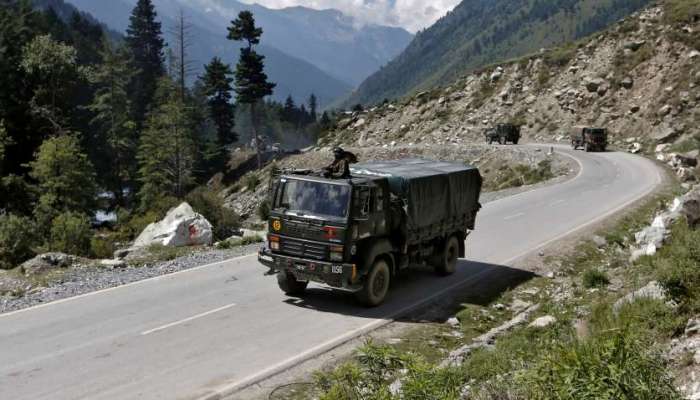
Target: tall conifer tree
251, 81
144, 38
217, 83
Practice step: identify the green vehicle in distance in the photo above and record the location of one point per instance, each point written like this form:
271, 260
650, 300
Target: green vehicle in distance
590, 139
358, 233
503, 133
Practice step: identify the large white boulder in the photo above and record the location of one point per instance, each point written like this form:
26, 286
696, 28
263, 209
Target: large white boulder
181, 227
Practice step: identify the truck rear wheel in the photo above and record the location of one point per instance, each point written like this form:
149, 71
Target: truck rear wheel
290, 285
448, 258
376, 284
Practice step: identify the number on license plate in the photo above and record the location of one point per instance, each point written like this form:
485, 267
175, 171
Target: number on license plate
301, 267
337, 269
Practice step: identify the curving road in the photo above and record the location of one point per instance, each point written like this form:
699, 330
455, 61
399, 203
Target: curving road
208, 332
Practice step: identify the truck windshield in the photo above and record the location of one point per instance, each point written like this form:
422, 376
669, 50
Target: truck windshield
596, 132
316, 198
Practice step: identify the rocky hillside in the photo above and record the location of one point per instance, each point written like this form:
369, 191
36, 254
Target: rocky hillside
640, 78
481, 32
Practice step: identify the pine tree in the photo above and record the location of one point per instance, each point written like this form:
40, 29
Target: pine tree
166, 153
251, 80
65, 178
144, 39
217, 86
313, 107
111, 108
289, 113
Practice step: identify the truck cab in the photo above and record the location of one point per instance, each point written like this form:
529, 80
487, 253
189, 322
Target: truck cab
503, 133
317, 226
588, 138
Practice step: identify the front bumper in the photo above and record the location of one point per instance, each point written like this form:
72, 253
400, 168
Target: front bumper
337, 275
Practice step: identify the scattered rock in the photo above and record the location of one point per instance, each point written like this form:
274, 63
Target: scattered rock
653, 290
651, 235
593, 84
360, 123
599, 241
627, 82
693, 327
519, 305
453, 321
690, 207
665, 110
635, 44
635, 148
180, 227
113, 263
47, 262
634, 108
543, 322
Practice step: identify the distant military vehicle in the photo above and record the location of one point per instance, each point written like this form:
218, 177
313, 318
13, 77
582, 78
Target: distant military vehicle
503, 133
358, 232
590, 139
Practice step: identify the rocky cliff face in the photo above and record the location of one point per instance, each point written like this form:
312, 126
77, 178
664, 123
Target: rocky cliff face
640, 79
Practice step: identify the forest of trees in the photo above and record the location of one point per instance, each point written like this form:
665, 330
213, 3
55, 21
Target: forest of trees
89, 122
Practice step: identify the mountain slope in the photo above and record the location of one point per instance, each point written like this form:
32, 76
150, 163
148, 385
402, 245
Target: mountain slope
640, 79
293, 76
482, 32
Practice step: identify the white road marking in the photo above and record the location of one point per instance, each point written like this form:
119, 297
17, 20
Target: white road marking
557, 203
183, 321
518, 215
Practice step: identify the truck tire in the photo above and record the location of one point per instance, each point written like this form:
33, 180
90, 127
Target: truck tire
376, 284
502, 140
290, 285
448, 258
516, 141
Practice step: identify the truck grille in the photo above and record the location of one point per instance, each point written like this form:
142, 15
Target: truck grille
302, 249
303, 230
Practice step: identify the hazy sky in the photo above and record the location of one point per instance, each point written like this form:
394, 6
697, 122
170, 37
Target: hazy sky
409, 14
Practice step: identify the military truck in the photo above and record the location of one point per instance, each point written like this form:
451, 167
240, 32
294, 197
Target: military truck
358, 233
590, 139
503, 133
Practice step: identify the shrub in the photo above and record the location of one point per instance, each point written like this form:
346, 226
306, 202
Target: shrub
251, 240
101, 247
251, 182
70, 234
595, 278
610, 365
224, 220
678, 264
17, 238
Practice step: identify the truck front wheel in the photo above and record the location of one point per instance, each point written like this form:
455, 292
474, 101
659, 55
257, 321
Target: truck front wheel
448, 258
376, 284
290, 285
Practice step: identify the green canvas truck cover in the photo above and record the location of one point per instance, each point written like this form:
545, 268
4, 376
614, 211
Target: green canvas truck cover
432, 191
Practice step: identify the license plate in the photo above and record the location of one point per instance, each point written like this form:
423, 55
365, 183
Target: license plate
337, 269
301, 267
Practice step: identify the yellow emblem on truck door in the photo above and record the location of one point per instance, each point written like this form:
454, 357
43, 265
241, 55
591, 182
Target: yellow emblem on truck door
276, 225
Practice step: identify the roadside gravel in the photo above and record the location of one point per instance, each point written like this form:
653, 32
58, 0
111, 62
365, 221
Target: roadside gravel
81, 280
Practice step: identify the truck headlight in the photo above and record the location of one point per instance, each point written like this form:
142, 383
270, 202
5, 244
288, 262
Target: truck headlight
274, 242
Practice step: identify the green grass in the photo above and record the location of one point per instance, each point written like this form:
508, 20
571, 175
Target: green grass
237, 242
595, 278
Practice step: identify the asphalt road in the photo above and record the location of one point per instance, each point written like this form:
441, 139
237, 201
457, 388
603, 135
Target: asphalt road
210, 331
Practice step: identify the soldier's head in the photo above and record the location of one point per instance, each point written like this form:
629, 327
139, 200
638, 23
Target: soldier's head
338, 153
